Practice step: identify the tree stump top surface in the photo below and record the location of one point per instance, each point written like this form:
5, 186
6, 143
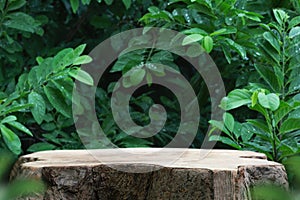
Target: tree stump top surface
172, 158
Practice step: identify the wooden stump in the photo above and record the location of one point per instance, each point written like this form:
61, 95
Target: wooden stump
221, 174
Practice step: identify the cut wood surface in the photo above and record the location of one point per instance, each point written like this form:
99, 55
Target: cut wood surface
107, 175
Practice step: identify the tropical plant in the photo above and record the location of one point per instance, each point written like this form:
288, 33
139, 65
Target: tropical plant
275, 97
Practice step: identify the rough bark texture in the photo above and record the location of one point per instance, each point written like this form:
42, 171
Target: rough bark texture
220, 175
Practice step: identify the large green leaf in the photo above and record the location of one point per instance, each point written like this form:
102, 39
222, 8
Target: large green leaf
57, 100
272, 40
294, 32
269, 76
283, 110
228, 121
235, 99
224, 31
225, 140
219, 125
82, 60
127, 3
137, 76
8, 119
192, 38
11, 140
14, 5
289, 125
74, 5
82, 76
21, 21
208, 44
20, 127
38, 109
270, 101
294, 22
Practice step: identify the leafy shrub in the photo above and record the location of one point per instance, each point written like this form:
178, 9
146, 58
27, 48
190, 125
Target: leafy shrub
275, 97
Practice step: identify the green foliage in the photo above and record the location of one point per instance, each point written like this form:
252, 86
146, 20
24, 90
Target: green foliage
275, 97
20, 188
13, 24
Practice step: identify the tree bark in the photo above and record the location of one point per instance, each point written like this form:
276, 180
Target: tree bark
219, 175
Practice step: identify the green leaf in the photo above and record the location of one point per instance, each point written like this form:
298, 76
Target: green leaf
39, 60
149, 79
74, 5
63, 58
270, 101
220, 126
269, 76
225, 140
79, 50
259, 123
57, 101
15, 108
39, 106
21, 21
108, 2
280, 16
9, 118
41, 146
224, 31
238, 48
282, 111
294, 32
254, 98
137, 76
228, 121
11, 140
20, 127
272, 40
14, 5
127, 3
289, 125
208, 44
85, 2
82, 60
294, 22
82, 76
235, 99
191, 39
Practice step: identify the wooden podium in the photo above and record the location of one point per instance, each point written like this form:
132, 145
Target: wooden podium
108, 175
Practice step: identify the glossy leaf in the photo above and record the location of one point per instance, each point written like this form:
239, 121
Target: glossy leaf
289, 125
137, 75
82, 60
294, 32
20, 127
270, 101
8, 119
272, 40
127, 3
38, 109
228, 121
208, 44
235, 99
14, 5
191, 39
57, 101
225, 140
82, 76
11, 140
74, 5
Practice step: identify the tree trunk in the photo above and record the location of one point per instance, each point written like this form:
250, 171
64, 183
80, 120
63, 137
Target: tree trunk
107, 175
